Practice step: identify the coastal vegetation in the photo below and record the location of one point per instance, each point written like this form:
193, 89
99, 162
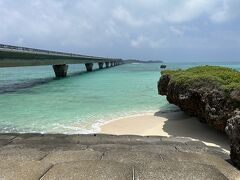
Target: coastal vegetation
226, 78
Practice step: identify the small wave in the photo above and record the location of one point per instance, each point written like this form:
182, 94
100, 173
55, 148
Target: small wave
88, 126
78, 129
91, 126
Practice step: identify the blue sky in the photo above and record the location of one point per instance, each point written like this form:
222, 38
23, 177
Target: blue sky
169, 30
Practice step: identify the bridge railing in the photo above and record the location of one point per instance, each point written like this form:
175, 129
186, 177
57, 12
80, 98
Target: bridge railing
33, 50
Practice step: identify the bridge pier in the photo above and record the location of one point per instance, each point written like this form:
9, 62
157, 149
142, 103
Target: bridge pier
107, 64
60, 70
112, 64
100, 64
89, 66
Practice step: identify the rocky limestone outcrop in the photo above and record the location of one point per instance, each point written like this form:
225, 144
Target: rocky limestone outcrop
210, 104
233, 131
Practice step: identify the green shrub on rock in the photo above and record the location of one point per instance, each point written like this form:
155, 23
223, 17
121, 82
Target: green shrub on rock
226, 78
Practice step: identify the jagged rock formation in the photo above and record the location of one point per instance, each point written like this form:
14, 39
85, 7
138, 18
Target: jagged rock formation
233, 131
209, 102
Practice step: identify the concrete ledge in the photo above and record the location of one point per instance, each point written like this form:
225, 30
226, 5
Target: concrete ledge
99, 156
24, 170
92, 170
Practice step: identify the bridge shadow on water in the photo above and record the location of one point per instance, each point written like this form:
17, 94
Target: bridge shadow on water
27, 84
14, 87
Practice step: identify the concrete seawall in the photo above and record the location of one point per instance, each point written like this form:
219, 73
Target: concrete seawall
36, 156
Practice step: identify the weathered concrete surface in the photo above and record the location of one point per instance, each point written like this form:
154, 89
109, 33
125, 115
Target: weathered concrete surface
132, 158
178, 170
36, 156
22, 170
90, 170
57, 157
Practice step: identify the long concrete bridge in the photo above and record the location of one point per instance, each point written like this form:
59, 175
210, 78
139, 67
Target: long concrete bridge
15, 56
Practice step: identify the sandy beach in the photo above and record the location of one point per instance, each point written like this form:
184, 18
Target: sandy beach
164, 123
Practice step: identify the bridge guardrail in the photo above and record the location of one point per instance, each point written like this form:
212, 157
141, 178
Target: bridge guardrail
33, 50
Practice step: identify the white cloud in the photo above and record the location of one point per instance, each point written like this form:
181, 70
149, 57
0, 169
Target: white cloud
227, 10
124, 16
104, 27
147, 42
176, 30
220, 16
157, 43
139, 42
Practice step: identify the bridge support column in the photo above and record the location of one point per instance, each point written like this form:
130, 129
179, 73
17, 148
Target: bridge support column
100, 65
107, 64
89, 66
60, 70
111, 64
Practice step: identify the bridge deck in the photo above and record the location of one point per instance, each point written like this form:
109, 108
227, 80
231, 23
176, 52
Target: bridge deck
13, 56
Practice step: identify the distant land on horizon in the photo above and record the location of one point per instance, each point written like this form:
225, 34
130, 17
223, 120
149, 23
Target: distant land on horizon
141, 61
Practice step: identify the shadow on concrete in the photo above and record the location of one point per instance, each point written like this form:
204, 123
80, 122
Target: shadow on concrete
179, 124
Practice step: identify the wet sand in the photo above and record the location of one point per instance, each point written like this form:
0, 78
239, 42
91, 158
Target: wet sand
161, 123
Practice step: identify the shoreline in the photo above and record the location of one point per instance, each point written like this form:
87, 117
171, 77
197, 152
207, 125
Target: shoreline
168, 123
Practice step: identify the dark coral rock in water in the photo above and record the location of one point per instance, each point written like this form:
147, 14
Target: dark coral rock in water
207, 99
163, 66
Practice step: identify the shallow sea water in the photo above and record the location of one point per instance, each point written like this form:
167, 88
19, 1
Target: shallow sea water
32, 100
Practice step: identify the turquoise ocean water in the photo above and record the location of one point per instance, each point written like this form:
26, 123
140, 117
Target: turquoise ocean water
32, 100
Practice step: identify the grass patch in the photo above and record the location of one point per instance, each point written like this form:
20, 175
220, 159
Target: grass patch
199, 76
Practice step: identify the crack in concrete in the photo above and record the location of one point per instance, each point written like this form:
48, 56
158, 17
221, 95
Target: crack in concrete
176, 148
44, 174
10, 141
44, 156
